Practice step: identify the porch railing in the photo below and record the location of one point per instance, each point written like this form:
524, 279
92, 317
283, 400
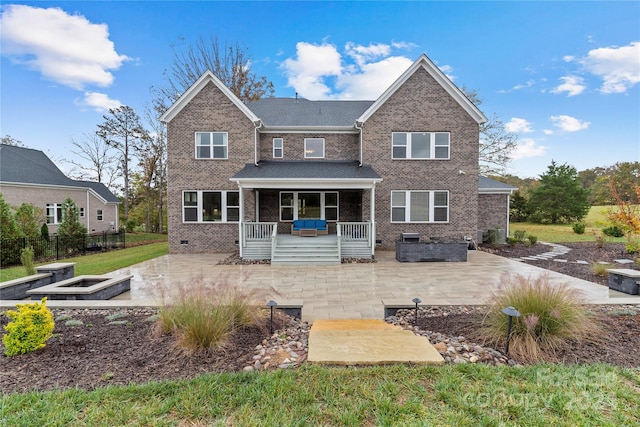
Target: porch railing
355, 231
257, 231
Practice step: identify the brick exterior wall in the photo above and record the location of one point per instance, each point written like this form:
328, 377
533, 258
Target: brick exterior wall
210, 110
336, 146
492, 212
421, 104
15, 195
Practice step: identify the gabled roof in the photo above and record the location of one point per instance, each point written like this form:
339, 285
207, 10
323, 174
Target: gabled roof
491, 186
425, 63
300, 112
189, 94
28, 166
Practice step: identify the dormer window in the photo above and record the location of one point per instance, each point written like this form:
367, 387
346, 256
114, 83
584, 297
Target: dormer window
278, 148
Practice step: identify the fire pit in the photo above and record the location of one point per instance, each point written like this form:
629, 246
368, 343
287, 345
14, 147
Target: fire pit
84, 288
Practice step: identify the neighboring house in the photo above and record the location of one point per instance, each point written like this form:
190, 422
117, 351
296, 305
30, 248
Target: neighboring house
29, 176
240, 174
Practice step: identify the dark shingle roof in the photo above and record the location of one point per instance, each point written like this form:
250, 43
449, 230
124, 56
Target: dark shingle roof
485, 183
306, 170
25, 165
302, 112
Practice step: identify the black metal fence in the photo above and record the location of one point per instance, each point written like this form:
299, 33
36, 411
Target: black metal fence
59, 247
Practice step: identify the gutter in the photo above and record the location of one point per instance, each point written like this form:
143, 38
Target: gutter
258, 125
361, 124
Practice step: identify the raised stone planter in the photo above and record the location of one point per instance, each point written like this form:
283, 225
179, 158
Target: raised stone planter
16, 289
624, 280
431, 251
84, 288
59, 270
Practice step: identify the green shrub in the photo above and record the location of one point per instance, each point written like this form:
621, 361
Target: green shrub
519, 235
201, 315
30, 327
552, 317
632, 247
532, 239
44, 231
512, 241
579, 227
26, 258
613, 231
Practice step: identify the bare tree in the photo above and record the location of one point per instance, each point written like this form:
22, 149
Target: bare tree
496, 143
100, 163
123, 131
230, 63
9, 140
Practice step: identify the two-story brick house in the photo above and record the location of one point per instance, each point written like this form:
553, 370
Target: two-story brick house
241, 174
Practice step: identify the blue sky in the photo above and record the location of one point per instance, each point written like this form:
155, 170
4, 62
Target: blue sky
564, 76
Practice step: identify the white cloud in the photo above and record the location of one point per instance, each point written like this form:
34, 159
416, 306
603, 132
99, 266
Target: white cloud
619, 67
362, 72
526, 148
66, 49
572, 85
99, 101
518, 125
568, 124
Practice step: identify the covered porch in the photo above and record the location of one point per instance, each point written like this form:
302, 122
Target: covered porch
337, 198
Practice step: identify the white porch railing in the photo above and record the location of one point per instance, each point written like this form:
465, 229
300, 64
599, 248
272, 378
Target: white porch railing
257, 231
356, 235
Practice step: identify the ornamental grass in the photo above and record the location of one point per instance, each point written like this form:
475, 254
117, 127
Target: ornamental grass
552, 317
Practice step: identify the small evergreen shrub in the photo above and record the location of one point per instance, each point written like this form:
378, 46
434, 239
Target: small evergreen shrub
30, 327
552, 317
632, 247
512, 241
613, 231
26, 258
578, 227
44, 231
519, 235
532, 239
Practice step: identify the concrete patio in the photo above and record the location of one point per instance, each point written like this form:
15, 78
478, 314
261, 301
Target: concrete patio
345, 291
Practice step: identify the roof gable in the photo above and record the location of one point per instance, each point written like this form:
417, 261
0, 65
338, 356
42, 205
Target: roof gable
189, 94
425, 63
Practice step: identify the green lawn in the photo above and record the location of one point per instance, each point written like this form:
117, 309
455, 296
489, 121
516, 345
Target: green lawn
145, 237
452, 395
100, 263
562, 233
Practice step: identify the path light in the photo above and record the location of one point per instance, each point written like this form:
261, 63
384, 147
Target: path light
511, 312
271, 304
416, 301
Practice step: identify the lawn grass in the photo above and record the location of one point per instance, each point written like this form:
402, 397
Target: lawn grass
452, 395
563, 233
145, 237
100, 263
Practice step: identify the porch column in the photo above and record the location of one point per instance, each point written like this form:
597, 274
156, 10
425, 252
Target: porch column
372, 218
240, 220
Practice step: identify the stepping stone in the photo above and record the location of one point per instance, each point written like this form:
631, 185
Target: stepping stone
559, 260
623, 261
367, 342
604, 263
582, 262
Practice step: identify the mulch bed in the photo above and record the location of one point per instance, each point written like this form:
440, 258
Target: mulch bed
99, 354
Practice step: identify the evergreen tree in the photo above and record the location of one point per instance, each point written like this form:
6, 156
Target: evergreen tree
518, 209
8, 227
71, 231
560, 197
28, 217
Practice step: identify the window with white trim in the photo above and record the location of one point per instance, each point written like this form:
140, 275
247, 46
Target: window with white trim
420, 145
211, 145
54, 213
309, 205
420, 206
314, 148
210, 206
278, 148
99, 216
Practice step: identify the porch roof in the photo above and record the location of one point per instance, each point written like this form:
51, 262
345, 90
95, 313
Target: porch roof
306, 174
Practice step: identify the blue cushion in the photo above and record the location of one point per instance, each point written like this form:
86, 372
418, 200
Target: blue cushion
298, 224
320, 224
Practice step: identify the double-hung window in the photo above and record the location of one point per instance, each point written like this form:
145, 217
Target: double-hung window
419, 206
420, 145
211, 206
99, 216
212, 145
314, 148
54, 213
278, 148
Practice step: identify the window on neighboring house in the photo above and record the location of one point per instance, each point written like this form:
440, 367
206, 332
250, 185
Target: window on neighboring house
211, 206
314, 148
99, 216
54, 213
81, 212
309, 205
419, 206
278, 148
211, 145
420, 145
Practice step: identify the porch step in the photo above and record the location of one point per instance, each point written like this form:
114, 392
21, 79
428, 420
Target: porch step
306, 250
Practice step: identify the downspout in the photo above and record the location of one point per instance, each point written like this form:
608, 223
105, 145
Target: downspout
257, 125
360, 129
